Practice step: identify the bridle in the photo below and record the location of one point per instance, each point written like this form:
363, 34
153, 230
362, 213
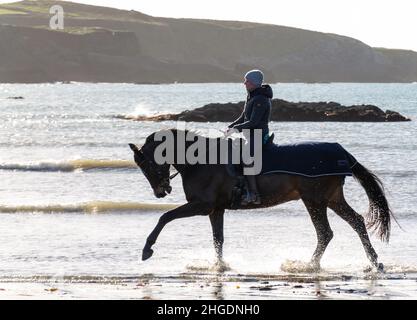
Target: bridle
158, 171
172, 176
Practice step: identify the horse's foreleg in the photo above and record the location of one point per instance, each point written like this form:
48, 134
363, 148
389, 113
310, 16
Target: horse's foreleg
216, 219
318, 214
187, 210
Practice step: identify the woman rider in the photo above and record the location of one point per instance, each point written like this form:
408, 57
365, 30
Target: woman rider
255, 115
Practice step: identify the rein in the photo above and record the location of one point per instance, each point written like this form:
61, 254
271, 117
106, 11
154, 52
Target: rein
172, 176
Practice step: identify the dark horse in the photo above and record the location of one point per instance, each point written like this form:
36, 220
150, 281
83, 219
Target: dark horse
208, 190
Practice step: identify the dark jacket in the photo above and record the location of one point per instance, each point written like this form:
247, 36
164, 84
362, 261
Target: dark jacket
257, 111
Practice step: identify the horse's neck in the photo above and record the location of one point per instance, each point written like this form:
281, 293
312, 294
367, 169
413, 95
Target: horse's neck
180, 168
187, 168
191, 170
184, 168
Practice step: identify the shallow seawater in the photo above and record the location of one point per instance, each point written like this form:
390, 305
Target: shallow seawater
93, 255
75, 212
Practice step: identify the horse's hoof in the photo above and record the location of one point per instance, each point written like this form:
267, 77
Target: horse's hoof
221, 266
313, 267
379, 267
368, 269
146, 254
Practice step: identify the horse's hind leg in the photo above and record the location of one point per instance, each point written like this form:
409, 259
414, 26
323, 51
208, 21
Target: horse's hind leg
318, 214
339, 205
216, 219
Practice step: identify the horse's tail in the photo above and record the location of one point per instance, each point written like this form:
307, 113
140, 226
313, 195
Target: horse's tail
378, 217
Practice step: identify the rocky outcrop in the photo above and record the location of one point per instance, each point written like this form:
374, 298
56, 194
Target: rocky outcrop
284, 111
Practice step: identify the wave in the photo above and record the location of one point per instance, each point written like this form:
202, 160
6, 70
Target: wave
133, 117
397, 173
71, 165
90, 207
141, 111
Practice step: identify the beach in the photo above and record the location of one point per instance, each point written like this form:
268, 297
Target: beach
75, 210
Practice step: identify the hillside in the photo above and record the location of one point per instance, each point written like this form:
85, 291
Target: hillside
105, 44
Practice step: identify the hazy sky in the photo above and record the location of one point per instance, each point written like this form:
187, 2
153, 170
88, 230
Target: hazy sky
379, 23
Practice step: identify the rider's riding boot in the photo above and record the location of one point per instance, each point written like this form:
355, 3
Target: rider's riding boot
252, 195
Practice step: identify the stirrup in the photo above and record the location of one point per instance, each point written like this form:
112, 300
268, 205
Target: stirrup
258, 199
251, 198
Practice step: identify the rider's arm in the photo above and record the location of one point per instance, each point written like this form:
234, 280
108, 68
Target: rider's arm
258, 110
238, 120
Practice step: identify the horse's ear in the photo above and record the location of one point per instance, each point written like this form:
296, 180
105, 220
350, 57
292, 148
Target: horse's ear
133, 147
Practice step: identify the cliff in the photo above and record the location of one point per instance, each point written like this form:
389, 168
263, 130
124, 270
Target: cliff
105, 44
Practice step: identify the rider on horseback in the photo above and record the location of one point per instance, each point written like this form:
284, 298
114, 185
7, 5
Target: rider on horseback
255, 115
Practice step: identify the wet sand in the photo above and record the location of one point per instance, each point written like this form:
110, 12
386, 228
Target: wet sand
215, 287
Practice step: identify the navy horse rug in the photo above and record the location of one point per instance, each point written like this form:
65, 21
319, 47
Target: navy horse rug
310, 159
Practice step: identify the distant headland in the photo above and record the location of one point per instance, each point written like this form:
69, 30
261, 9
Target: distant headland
100, 44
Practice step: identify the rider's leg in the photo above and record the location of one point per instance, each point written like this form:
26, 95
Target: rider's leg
252, 194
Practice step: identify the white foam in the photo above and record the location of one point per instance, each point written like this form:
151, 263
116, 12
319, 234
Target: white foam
70, 165
89, 207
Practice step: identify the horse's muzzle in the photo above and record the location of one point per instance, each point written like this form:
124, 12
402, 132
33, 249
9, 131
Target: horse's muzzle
162, 190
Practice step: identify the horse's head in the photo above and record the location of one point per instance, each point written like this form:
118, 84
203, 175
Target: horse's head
157, 174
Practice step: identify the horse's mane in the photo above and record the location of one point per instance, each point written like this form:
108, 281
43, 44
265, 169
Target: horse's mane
187, 133
191, 136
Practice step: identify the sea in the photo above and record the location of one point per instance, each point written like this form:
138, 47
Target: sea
76, 211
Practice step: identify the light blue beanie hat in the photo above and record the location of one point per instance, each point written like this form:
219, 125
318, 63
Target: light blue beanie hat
256, 77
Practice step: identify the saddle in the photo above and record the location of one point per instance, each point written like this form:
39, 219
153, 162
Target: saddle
307, 159
236, 170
